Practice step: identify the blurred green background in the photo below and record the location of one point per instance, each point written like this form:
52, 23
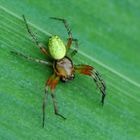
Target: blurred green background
109, 39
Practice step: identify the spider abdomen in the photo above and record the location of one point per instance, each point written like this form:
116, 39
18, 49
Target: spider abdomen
57, 48
64, 68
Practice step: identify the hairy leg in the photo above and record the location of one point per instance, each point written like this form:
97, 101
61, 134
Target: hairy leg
70, 39
44, 105
74, 52
65, 24
41, 46
90, 71
51, 83
55, 106
32, 59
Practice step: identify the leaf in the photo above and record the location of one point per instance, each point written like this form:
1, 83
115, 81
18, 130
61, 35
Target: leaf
108, 34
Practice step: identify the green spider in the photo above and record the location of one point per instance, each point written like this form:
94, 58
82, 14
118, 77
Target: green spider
62, 65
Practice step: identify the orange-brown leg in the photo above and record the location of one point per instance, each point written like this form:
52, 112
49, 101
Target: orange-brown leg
41, 46
51, 83
90, 71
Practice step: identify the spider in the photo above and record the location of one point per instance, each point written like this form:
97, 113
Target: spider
62, 64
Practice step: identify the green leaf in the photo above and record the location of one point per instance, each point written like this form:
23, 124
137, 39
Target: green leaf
108, 34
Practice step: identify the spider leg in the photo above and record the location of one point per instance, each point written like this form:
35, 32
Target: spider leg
51, 83
76, 47
44, 105
70, 39
90, 71
65, 24
41, 46
100, 84
55, 106
32, 59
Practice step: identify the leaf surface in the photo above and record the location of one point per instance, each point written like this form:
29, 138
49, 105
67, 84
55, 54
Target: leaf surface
108, 34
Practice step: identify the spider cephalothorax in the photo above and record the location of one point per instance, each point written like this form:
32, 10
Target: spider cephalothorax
64, 69
62, 65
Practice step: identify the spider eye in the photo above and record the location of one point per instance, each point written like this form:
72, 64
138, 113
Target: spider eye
72, 77
63, 79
